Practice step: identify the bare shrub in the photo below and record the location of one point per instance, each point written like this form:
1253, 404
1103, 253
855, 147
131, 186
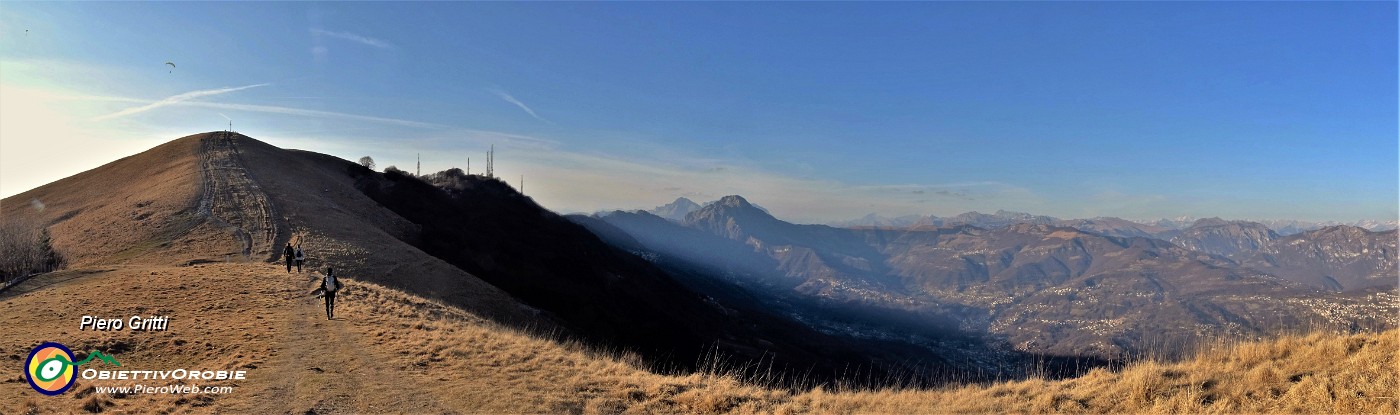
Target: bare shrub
25, 248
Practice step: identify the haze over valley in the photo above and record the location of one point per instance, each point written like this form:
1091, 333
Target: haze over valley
603, 208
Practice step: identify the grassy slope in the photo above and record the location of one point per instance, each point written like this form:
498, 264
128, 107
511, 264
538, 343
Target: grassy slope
390, 351
1316, 373
134, 208
129, 225
516, 372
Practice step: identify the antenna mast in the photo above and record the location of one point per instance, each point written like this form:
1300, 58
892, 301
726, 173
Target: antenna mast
522, 184
419, 171
490, 162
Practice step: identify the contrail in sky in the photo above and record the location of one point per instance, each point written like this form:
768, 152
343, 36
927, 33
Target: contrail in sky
176, 99
511, 99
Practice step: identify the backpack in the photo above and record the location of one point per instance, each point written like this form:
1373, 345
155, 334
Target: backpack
300, 255
330, 284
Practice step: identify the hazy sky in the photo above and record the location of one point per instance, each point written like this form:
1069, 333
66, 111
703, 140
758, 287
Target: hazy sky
816, 111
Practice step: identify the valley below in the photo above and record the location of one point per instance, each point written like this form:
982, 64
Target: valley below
465, 296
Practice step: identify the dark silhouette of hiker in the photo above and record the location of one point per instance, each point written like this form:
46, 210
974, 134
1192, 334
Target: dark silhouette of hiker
300, 257
329, 285
287, 254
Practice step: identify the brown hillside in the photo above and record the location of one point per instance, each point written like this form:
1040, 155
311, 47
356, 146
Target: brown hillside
129, 209
227, 197
186, 230
337, 225
395, 352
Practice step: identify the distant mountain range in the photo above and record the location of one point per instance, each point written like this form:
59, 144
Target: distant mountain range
1100, 287
677, 210
973, 297
1102, 225
469, 241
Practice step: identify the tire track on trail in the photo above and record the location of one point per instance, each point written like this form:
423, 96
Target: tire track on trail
232, 199
320, 366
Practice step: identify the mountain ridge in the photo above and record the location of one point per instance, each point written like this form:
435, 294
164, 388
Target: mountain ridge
1283, 227
966, 273
196, 224
467, 240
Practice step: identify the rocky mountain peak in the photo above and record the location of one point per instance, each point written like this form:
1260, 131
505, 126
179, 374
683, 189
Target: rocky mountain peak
676, 210
734, 201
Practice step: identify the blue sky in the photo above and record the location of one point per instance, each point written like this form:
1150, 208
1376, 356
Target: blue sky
818, 111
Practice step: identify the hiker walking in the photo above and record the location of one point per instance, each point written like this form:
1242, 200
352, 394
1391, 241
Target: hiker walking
300, 256
288, 253
329, 285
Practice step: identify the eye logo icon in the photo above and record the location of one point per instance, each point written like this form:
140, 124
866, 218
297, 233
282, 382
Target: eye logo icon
50, 368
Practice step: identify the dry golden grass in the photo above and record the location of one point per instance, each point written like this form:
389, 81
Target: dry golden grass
475, 365
223, 316
1313, 373
126, 225
136, 208
392, 351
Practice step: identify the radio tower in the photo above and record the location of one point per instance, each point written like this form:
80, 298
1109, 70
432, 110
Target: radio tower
490, 162
419, 171
469, 166
522, 184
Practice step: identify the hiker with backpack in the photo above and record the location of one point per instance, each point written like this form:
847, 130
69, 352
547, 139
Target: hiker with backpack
300, 257
329, 285
287, 253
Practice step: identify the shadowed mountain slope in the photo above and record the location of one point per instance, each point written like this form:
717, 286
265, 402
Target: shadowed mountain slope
1040, 287
216, 197
600, 292
320, 208
467, 240
396, 352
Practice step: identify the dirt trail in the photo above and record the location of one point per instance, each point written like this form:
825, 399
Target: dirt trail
238, 314
233, 199
324, 367
247, 316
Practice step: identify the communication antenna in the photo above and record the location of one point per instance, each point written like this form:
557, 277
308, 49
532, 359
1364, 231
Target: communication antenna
522, 184
469, 166
419, 171
490, 162
230, 122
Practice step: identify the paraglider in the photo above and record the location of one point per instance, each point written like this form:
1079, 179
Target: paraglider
172, 66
